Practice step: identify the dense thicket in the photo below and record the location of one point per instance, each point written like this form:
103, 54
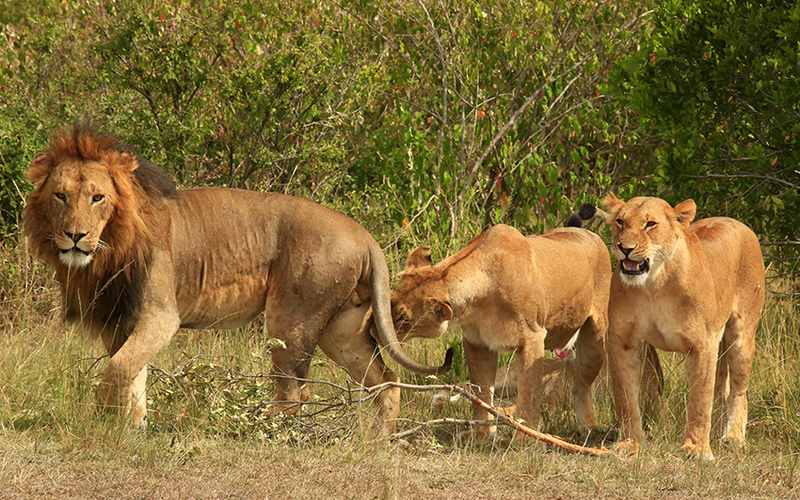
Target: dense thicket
434, 116
717, 97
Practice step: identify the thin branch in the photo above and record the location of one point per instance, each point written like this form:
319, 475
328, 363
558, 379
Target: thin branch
779, 243
502, 132
743, 175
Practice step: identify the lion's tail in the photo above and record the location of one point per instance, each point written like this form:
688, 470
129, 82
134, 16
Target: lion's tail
382, 317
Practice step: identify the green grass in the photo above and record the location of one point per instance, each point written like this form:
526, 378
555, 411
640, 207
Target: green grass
209, 436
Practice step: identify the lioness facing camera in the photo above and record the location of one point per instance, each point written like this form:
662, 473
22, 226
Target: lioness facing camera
695, 288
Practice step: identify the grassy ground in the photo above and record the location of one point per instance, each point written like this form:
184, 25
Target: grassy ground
210, 438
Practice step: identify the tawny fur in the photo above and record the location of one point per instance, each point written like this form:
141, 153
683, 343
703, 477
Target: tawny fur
137, 259
512, 293
702, 296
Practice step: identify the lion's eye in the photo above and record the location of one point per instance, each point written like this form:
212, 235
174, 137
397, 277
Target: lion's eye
98, 197
60, 196
650, 223
402, 318
620, 222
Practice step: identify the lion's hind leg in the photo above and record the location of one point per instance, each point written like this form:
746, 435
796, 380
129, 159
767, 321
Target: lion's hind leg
346, 340
290, 366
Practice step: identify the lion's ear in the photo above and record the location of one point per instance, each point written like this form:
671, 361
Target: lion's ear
40, 168
441, 308
127, 161
421, 257
685, 212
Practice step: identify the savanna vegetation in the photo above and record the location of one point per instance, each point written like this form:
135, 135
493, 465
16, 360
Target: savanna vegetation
426, 121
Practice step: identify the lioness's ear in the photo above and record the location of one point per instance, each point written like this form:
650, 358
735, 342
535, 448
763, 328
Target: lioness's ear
421, 257
613, 204
685, 212
441, 308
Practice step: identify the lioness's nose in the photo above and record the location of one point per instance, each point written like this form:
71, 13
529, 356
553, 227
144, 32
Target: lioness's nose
76, 237
625, 251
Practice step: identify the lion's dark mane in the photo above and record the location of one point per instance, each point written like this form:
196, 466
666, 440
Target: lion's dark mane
107, 295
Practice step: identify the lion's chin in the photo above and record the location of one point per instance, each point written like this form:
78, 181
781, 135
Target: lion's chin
75, 258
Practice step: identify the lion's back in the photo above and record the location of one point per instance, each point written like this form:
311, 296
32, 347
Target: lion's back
234, 217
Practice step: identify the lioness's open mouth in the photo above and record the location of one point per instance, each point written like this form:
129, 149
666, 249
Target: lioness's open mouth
635, 267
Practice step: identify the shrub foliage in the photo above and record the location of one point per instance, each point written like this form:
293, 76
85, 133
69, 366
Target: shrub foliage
425, 120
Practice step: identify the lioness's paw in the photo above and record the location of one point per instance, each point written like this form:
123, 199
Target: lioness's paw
733, 440
626, 449
696, 452
508, 411
481, 435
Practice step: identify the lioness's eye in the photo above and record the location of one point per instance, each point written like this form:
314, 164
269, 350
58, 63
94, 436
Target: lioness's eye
60, 196
620, 222
98, 197
650, 223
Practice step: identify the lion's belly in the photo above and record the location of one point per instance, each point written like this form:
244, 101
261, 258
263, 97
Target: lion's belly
226, 307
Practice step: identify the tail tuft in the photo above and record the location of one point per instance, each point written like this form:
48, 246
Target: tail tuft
587, 211
574, 220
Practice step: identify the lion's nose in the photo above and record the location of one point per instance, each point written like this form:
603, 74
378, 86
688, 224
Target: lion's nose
76, 237
625, 251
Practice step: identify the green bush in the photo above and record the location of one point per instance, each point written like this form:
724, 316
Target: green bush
715, 89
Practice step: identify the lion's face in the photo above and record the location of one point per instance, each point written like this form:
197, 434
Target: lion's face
644, 232
79, 203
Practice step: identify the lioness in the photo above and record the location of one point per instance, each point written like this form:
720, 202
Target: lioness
137, 259
512, 293
695, 288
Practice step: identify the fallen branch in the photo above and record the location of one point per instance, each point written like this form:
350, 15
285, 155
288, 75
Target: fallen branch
230, 377
499, 415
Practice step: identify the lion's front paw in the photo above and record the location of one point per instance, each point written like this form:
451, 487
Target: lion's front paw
626, 449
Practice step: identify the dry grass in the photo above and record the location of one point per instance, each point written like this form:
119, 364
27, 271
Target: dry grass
209, 437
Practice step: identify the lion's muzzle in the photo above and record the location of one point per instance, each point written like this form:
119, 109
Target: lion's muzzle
75, 251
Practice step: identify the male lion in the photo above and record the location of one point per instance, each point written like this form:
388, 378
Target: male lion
137, 259
512, 293
691, 288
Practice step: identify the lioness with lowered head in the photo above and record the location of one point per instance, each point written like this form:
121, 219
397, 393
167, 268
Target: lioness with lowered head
695, 288
136, 260
512, 293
